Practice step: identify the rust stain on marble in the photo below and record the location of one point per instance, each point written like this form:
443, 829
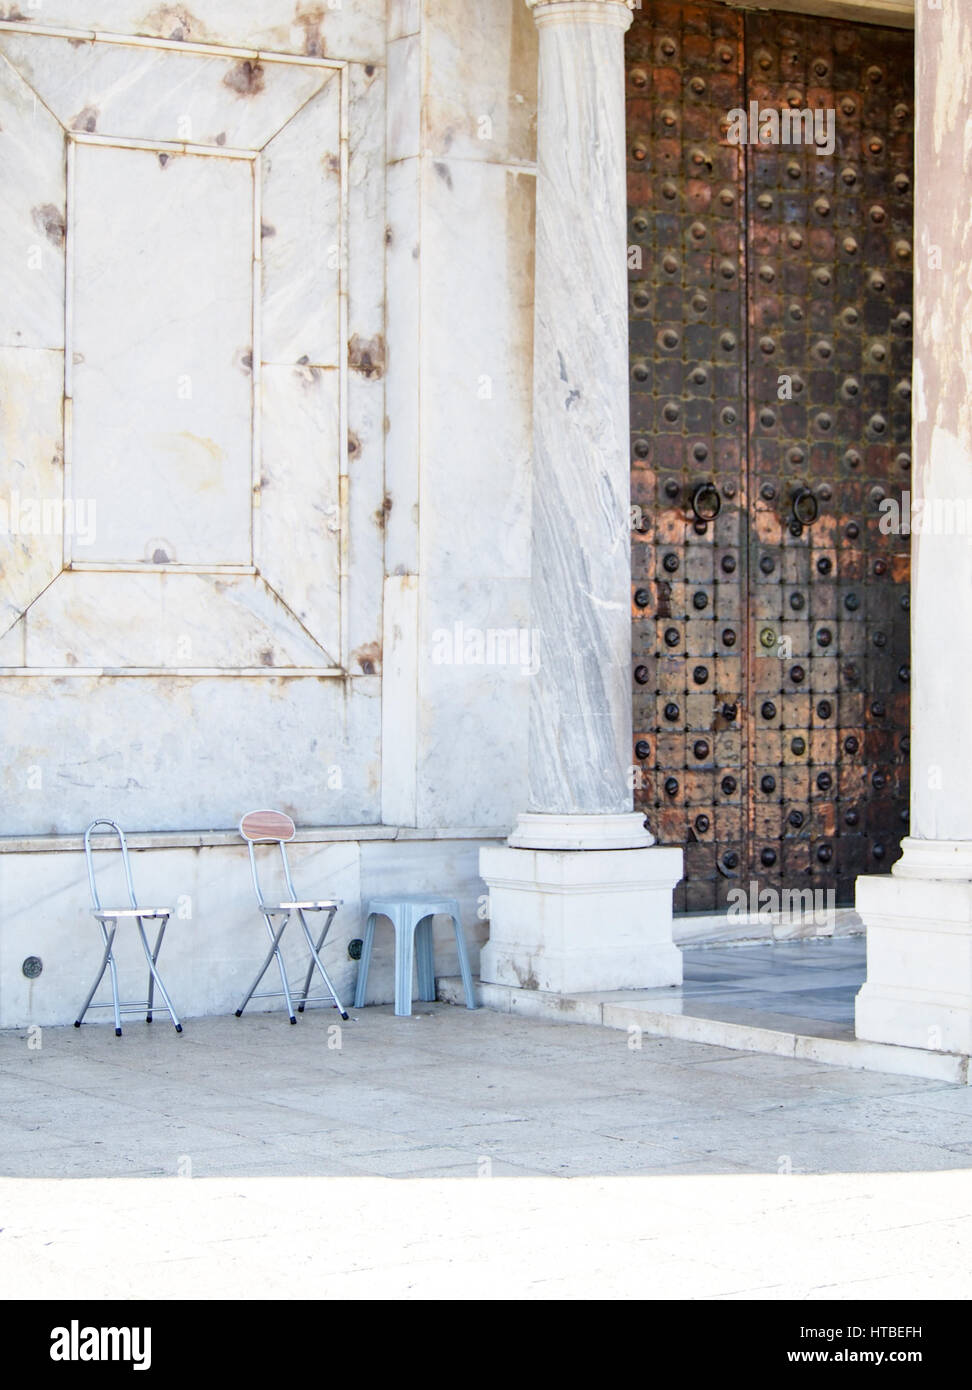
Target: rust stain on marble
86, 119
368, 657
245, 78
50, 220
367, 355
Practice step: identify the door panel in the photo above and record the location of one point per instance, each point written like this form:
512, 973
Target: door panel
770, 341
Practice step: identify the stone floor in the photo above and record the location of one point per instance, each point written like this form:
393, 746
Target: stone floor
782, 998
809, 985
252, 1157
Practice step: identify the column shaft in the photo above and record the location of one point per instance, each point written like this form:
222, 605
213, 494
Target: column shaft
580, 719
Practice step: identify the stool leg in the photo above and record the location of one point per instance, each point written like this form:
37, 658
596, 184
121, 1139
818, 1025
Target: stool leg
467, 983
108, 938
425, 955
364, 962
404, 950
154, 976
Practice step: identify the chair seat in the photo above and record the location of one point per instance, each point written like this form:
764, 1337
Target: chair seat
430, 902
106, 912
315, 906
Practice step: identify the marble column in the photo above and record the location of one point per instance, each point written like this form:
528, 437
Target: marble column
578, 900
919, 920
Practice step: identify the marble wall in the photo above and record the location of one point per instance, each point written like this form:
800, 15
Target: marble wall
461, 189
193, 341
270, 309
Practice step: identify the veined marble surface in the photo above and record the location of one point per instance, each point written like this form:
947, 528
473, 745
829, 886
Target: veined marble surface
580, 716
316, 28
173, 234
162, 308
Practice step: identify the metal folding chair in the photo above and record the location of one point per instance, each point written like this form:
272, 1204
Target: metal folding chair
108, 919
274, 827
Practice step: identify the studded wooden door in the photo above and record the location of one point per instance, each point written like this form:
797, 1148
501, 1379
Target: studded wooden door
770, 343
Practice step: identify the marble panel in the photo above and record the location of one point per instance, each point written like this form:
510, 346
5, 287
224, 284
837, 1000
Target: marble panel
473, 697
32, 515
399, 703
481, 96
298, 527
477, 335
316, 28
92, 618
368, 503
404, 97
32, 218
143, 93
162, 322
172, 752
404, 17
301, 234
402, 394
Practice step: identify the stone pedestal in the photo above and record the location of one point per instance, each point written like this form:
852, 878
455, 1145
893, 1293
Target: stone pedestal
579, 900
919, 921
566, 921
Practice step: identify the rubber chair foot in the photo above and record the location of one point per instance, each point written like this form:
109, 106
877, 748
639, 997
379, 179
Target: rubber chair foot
148, 1018
178, 1027
345, 1017
239, 1013
300, 1008
77, 1023
292, 1019
117, 1032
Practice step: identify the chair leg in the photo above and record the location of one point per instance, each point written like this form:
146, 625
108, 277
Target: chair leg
273, 951
154, 977
466, 972
316, 960
106, 959
283, 972
404, 951
364, 962
425, 957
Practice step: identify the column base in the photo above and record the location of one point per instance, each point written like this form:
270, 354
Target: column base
918, 991
564, 922
623, 831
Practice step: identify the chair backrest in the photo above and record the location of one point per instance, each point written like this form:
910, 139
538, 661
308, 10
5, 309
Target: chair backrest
268, 827
95, 900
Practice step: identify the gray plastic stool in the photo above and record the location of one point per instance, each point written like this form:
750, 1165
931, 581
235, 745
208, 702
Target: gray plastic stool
411, 915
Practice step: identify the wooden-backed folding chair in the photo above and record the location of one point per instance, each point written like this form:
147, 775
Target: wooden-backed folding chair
274, 827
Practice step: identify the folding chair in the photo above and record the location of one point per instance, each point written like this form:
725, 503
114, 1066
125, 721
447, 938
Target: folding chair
108, 919
274, 827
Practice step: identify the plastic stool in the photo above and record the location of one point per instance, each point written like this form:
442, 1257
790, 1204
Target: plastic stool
411, 916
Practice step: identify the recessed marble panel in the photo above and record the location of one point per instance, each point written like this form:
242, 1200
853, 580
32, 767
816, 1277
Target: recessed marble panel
145, 93
333, 28
298, 528
301, 234
162, 330
32, 515
165, 619
32, 218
